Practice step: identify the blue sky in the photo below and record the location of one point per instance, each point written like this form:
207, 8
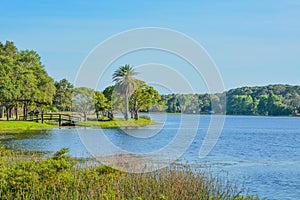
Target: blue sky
251, 42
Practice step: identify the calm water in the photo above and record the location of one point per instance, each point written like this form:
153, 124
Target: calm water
262, 151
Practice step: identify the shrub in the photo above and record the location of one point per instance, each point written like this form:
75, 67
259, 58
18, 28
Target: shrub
57, 177
102, 119
145, 117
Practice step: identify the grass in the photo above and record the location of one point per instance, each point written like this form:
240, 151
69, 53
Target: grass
19, 126
117, 123
23, 126
58, 177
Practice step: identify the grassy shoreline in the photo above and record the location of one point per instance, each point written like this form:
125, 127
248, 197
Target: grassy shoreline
8, 126
13, 126
58, 177
117, 123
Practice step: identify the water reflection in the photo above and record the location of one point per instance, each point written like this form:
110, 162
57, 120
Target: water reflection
263, 151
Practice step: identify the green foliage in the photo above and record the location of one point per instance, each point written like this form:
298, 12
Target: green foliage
117, 123
266, 100
23, 79
240, 104
63, 95
194, 103
83, 101
125, 84
25, 83
123, 77
143, 99
104, 119
108, 91
58, 177
145, 117
101, 104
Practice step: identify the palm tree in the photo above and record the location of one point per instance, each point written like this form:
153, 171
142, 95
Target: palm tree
125, 83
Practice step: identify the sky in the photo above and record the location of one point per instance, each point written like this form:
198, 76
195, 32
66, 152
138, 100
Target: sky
250, 42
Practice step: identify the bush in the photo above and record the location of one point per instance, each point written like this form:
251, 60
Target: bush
145, 117
58, 177
102, 119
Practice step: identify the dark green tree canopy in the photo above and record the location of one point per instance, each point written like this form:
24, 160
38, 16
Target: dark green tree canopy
264, 100
143, 98
23, 79
63, 95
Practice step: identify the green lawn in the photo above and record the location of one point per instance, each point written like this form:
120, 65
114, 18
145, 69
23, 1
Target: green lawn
117, 123
23, 125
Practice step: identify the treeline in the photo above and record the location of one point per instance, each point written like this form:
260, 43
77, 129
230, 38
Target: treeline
26, 88
23, 81
264, 100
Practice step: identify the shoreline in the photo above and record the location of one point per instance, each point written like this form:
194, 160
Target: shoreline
16, 126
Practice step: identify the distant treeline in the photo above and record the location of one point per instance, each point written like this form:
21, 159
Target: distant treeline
264, 100
27, 89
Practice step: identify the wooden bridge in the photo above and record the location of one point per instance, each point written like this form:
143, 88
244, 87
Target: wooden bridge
63, 119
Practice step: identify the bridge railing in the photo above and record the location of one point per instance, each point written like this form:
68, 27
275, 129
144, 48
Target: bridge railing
56, 117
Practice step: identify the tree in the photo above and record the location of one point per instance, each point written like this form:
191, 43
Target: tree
217, 103
262, 107
101, 103
259, 100
171, 102
295, 103
38, 87
240, 105
83, 101
275, 105
205, 103
9, 89
108, 91
8, 49
143, 98
125, 84
63, 96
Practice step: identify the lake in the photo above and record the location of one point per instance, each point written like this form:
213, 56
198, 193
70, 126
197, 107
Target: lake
261, 152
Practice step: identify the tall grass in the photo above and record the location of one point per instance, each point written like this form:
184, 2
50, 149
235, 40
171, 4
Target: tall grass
58, 177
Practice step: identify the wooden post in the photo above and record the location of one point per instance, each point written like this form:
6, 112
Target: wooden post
42, 117
59, 119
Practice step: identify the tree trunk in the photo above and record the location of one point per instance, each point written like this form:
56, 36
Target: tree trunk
85, 116
136, 115
25, 110
110, 115
1, 111
7, 112
16, 111
126, 111
10, 112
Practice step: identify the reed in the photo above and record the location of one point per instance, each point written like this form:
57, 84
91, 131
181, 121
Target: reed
26, 175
